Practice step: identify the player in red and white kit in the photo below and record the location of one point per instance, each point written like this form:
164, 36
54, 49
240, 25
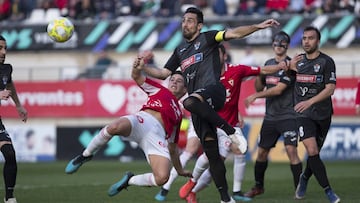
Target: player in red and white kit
155, 128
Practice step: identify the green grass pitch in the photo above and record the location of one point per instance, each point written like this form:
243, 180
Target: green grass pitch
47, 183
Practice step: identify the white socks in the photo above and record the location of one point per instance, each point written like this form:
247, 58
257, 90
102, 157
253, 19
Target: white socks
239, 171
146, 179
202, 163
97, 142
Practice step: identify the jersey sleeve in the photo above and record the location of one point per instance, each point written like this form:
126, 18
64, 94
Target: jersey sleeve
214, 36
330, 71
150, 87
173, 63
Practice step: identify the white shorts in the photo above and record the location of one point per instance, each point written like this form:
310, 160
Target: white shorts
191, 131
149, 134
223, 138
224, 143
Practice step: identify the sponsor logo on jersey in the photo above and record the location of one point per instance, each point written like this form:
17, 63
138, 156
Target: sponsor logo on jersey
309, 78
191, 60
272, 80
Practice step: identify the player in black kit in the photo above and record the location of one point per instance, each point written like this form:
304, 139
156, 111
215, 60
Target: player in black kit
198, 58
279, 120
315, 83
8, 90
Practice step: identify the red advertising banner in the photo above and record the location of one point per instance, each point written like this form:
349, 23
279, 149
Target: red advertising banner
88, 98
96, 98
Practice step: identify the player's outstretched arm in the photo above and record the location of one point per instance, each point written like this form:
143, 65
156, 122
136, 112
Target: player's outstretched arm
243, 31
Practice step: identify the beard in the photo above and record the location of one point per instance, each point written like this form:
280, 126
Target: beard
188, 34
311, 50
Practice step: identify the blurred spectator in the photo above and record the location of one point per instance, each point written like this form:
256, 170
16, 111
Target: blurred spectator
105, 9
46, 4
276, 6
245, 7
250, 7
150, 8
85, 9
219, 7
296, 6
101, 65
136, 7
346, 6
61, 4
329, 7
167, 8
18, 10
5, 9
312, 6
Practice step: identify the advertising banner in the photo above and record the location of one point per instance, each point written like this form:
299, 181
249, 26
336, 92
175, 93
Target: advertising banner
33, 143
126, 34
96, 98
342, 143
71, 141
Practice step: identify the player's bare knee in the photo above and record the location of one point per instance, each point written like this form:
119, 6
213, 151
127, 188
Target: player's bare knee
161, 179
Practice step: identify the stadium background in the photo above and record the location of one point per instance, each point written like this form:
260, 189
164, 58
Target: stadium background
64, 113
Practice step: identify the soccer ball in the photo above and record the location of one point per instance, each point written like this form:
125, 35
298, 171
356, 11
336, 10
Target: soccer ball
60, 29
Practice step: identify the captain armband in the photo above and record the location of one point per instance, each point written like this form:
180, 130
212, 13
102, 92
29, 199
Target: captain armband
220, 36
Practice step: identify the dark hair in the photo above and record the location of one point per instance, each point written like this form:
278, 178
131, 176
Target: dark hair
2, 38
281, 37
177, 72
199, 14
312, 28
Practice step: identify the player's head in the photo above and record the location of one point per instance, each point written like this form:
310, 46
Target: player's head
280, 43
311, 39
281, 39
192, 22
197, 12
177, 84
2, 49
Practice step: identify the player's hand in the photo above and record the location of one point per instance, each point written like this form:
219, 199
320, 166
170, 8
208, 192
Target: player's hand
302, 106
5, 94
185, 173
22, 113
249, 100
138, 63
284, 65
268, 23
294, 61
147, 55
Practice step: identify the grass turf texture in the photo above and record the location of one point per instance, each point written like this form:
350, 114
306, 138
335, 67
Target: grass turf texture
48, 183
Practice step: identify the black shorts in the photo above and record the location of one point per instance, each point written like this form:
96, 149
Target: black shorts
215, 96
4, 136
313, 128
272, 130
